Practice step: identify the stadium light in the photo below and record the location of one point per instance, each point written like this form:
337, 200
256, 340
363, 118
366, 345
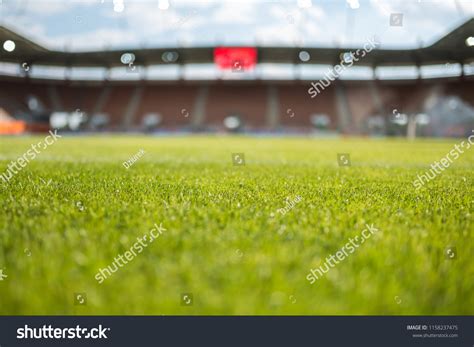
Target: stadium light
232, 123
170, 57
320, 121
304, 56
346, 57
127, 58
76, 120
470, 41
33, 103
58, 120
9, 45
151, 121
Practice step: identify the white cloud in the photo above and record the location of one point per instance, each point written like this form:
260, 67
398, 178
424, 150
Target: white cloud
386, 7
290, 25
467, 6
197, 21
46, 8
229, 12
97, 39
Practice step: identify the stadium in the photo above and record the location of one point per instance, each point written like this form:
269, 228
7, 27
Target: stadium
257, 160
351, 107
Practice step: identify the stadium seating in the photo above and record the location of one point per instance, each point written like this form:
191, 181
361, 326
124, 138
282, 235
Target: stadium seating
177, 104
173, 103
245, 101
297, 107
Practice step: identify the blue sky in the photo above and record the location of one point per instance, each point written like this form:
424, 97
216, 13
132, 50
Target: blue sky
98, 24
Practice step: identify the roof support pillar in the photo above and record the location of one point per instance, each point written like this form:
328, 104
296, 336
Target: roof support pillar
199, 108
132, 108
273, 113
342, 106
374, 73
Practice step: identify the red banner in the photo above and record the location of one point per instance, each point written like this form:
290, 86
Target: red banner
235, 58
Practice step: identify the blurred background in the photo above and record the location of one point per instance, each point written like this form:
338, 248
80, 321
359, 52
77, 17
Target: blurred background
164, 66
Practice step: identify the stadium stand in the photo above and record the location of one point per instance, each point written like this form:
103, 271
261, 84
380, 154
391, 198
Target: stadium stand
364, 106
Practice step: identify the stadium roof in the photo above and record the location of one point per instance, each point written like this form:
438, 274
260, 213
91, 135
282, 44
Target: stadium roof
450, 48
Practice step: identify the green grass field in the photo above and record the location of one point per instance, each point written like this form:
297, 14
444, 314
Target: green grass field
75, 207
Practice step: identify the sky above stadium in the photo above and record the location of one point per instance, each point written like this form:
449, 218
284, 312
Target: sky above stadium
99, 24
